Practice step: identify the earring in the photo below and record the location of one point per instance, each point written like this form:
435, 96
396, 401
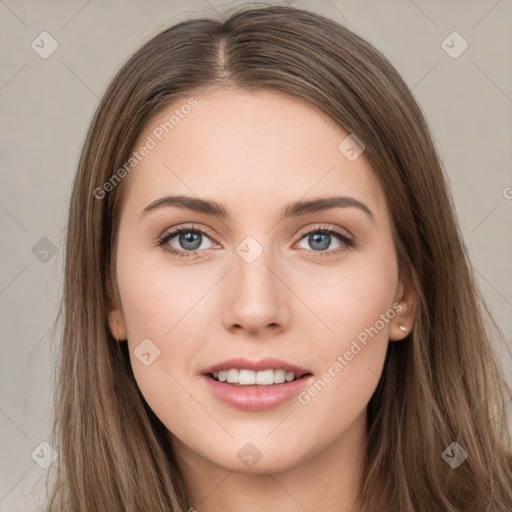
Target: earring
402, 327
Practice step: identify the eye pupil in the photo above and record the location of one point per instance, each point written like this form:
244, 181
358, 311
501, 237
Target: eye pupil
190, 237
322, 238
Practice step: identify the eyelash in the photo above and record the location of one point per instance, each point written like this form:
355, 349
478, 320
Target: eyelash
349, 243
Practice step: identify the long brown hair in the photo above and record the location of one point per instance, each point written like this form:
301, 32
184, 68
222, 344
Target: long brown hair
442, 385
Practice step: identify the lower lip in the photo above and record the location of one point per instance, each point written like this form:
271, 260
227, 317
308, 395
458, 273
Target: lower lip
256, 399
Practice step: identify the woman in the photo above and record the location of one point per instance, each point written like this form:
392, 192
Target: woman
267, 300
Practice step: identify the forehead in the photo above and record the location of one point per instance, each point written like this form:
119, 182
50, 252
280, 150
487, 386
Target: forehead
247, 148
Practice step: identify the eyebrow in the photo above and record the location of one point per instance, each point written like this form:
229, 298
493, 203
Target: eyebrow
295, 209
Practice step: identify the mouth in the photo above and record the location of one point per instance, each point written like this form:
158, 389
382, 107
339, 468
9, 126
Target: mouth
256, 390
244, 371
250, 379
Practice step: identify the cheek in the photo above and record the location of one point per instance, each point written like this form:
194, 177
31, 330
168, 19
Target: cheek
156, 297
356, 309
350, 298
158, 308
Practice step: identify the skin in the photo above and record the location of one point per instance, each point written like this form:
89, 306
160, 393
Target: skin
255, 153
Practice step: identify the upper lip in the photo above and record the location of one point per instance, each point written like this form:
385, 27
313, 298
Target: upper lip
269, 363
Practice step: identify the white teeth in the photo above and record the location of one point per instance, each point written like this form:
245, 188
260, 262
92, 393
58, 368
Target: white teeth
279, 376
233, 376
248, 377
268, 377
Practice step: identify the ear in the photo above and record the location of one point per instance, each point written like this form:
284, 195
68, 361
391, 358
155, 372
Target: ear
116, 321
407, 297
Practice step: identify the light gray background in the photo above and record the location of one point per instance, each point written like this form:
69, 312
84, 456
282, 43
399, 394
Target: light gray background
47, 104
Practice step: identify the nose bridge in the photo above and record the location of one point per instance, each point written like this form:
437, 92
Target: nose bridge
254, 280
256, 295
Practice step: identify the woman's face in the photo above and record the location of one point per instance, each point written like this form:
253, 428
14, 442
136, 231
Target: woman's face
261, 281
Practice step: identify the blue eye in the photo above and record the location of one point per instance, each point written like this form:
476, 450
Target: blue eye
190, 239
320, 239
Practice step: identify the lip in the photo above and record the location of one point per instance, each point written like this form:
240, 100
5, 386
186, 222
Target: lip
259, 398
268, 363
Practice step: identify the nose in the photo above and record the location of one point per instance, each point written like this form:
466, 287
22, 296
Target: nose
256, 297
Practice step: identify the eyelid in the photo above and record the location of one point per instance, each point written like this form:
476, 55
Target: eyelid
190, 226
169, 234
347, 240
324, 227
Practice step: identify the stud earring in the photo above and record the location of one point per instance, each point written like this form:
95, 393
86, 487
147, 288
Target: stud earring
402, 327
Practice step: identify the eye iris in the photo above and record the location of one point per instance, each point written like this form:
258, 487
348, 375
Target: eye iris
190, 237
323, 238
